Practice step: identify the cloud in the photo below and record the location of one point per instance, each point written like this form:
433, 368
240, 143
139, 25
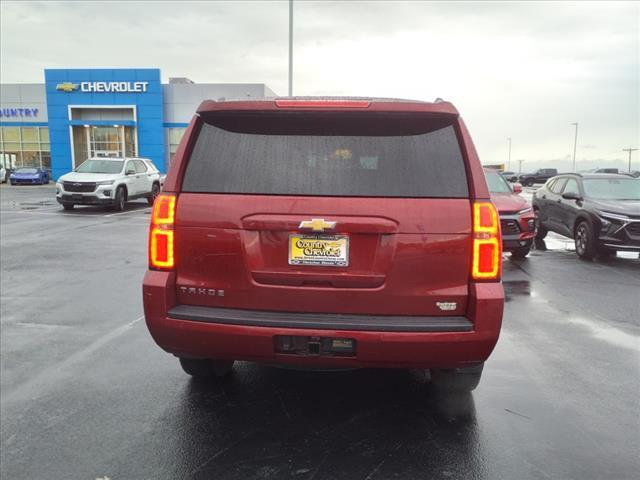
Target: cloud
524, 70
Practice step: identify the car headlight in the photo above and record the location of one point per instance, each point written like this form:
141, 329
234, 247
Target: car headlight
525, 210
106, 182
613, 216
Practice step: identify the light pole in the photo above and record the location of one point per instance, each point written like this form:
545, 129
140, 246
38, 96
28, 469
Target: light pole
575, 144
290, 48
509, 162
629, 150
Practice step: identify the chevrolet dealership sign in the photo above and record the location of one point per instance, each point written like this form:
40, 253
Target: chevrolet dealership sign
104, 87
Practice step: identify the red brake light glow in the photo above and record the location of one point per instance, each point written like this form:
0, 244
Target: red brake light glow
487, 245
323, 103
161, 234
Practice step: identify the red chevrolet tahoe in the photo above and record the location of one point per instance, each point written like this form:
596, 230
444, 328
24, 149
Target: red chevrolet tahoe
326, 232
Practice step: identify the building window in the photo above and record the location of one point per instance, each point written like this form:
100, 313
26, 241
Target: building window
175, 135
25, 147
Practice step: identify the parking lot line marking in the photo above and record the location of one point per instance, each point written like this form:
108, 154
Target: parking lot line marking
130, 211
36, 385
67, 214
47, 213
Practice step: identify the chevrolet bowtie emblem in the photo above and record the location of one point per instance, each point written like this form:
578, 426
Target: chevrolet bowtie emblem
317, 225
67, 86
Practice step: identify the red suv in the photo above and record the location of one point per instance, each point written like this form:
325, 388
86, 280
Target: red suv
326, 232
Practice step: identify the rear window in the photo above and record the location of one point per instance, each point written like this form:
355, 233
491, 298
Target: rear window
323, 156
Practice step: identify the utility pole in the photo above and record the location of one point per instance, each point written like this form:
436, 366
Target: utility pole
290, 48
520, 165
575, 144
629, 150
509, 162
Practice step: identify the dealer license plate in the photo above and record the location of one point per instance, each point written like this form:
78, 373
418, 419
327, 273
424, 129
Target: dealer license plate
329, 250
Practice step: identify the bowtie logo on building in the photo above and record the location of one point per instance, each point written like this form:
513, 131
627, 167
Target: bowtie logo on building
67, 86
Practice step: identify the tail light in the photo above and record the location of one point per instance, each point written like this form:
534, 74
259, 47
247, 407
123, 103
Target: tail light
161, 233
487, 245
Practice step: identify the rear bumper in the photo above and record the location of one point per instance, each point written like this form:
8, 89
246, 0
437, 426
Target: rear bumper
234, 334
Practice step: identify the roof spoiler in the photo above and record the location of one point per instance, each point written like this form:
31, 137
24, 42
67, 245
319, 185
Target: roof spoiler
327, 104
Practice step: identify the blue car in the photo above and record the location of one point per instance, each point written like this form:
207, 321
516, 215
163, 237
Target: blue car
29, 176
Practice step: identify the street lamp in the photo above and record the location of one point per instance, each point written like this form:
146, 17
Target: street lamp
575, 144
509, 162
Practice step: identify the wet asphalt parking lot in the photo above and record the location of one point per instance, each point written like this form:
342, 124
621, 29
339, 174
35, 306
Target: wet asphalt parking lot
86, 394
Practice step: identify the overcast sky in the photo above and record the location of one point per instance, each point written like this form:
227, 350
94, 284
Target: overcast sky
519, 70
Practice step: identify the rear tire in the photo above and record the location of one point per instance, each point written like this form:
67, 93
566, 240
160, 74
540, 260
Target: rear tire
206, 368
528, 182
457, 380
155, 191
119, 199
541, 230
585, 240
67, 206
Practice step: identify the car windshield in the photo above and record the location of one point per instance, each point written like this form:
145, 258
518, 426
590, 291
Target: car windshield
496, 183
27, 170
612, 188
100, 166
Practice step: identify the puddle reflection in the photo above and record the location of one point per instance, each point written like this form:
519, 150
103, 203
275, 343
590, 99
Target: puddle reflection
516, 287
262, 417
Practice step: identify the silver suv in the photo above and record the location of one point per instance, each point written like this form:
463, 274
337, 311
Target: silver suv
109, 182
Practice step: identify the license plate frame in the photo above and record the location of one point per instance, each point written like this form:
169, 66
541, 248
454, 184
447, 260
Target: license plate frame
319, 260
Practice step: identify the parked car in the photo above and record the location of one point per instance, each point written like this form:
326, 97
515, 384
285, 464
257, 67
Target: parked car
600, 211
601, 170
3, 175
333, 233
110, 182
539, 176
29, 176
510, 176
517, 220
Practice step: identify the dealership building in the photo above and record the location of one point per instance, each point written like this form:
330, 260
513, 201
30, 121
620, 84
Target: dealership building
80, 113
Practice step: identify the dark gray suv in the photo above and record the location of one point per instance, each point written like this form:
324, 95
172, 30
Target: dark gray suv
600, 211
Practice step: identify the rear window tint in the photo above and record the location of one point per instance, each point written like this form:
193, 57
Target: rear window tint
381, 158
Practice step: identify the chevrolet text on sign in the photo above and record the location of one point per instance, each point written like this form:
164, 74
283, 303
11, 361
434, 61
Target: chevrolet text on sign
114, 87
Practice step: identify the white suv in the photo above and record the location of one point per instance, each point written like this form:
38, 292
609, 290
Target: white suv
109, 181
